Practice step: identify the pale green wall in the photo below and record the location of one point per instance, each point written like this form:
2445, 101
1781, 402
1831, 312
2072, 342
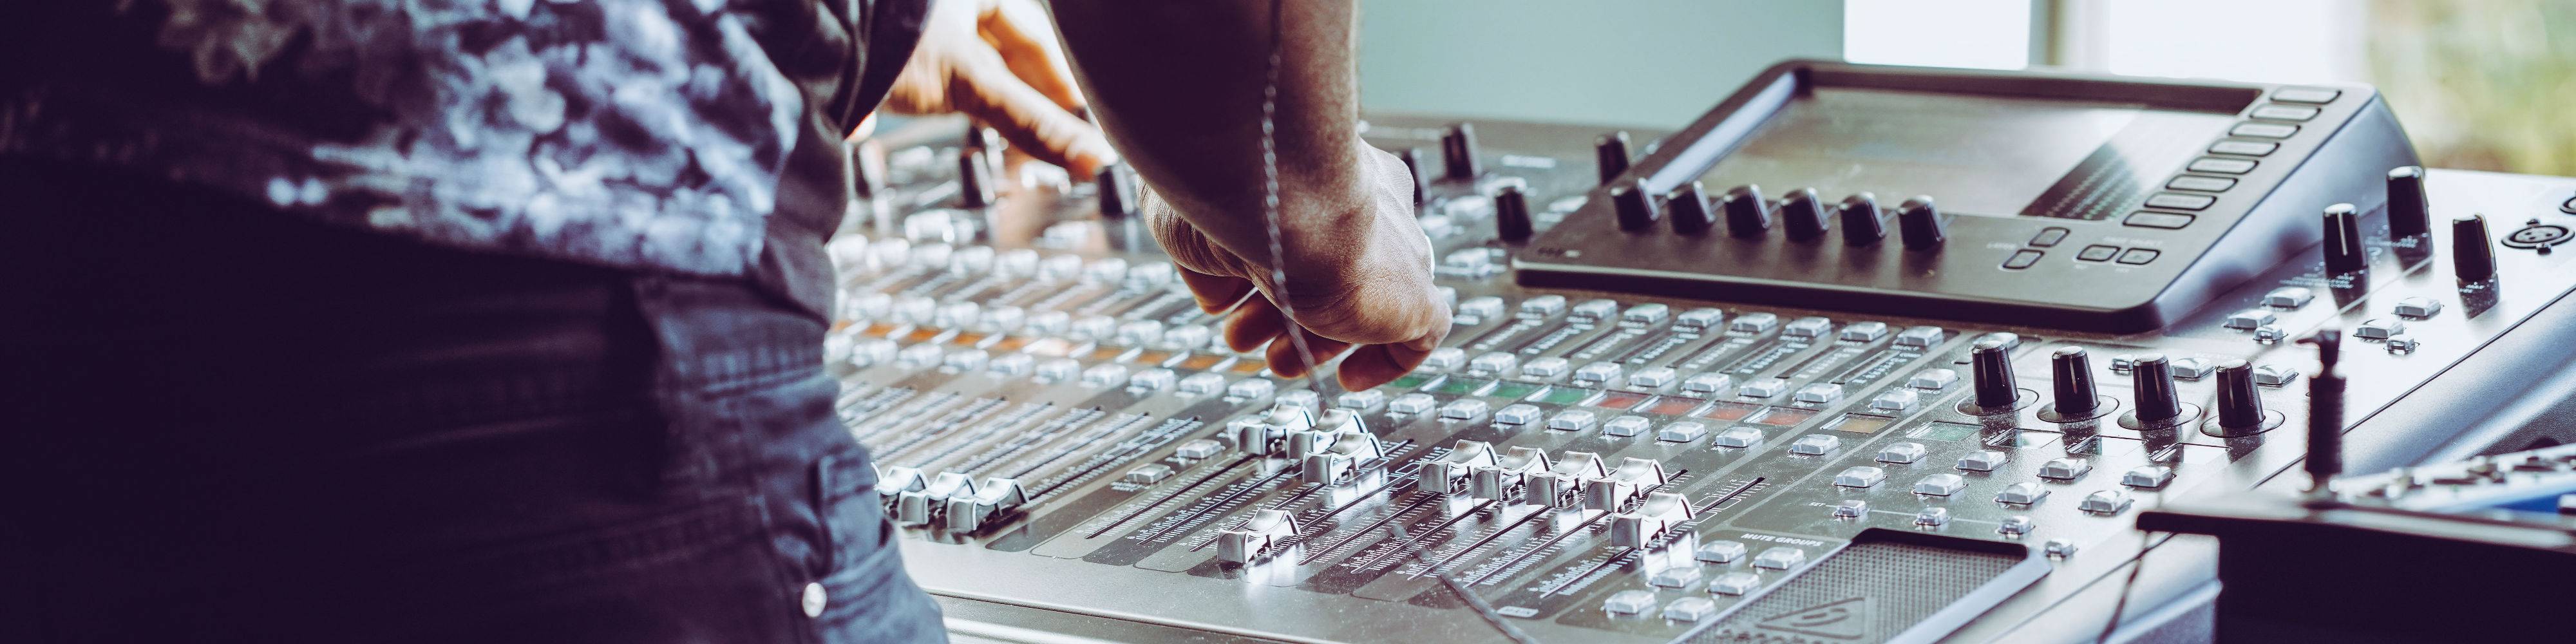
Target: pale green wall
1618, 62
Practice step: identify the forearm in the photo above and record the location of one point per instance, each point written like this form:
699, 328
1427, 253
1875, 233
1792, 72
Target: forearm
1178, 86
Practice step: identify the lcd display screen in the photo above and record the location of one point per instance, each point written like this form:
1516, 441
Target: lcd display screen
1974, 155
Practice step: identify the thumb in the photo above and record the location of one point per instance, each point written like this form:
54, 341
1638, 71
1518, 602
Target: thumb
986, 89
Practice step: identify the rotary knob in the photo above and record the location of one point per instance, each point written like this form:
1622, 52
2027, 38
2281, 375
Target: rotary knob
1635, 206
1610, 154
2410, 214
1421, 182
2344, 251
2240, 406
1803, 214
1920, 223
1117, 192
2151, 380
1458, 151
1511, 214
1861, 226
1747, 215
1991, 360
974, 179
2070, 370
2472, 254
1689, 208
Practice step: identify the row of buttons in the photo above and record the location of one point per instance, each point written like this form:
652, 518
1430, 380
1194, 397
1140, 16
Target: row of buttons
2265, 126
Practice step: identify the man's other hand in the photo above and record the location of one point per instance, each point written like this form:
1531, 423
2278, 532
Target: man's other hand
997, 61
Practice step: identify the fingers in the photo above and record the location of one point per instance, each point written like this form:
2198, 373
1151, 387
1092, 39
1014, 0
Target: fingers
1018, 29
1319, 350
1378, 364
1216, 294
1258, 322
987, 90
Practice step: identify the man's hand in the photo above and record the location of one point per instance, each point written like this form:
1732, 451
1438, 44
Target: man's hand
997, 61
1364, 283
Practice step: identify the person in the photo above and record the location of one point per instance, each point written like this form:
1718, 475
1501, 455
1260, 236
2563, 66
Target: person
500, 320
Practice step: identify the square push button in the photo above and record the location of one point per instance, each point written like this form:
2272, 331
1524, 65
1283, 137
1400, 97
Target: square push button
2202, 184
2285, 112
2098, 253
2180, 201
2138, 256
2022, 259
2244, 148
2158, 220
2265, 130
2305, 94
2048, 237
2222, 166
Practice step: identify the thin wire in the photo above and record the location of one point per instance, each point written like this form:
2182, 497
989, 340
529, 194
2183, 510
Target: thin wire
1270, 213
2135, 565
1483, 609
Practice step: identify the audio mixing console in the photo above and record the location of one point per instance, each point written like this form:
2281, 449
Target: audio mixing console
1058, 426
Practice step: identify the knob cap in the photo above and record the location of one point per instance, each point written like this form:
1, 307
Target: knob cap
2238, 403
2343, 248
1421, 182
1747, 214
1921, 225
1610, 153
1861, 226
1117, 192
1458, 151
1511, 214
1991, 360
1690, 213
974, 179
1636, 207
2472, 254
2071, 370
2410, 214
1803, 213
2151, 380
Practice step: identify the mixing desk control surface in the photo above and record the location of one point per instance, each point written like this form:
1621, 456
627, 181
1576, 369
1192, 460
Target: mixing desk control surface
1059, 426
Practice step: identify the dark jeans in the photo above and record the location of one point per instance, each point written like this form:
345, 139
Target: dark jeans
218, 423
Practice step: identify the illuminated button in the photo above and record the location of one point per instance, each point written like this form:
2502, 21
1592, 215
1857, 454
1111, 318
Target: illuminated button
1096, 327
1493, 363
1806, 327
1651, 377
1681, 432
1058, 369
1690, 609
1919, 337
1903, 453
1860, 476
1864, 331
1674, 577
1148, 276
1593, 311
957, 315
1763, 388
919, 355
1819, 393
1850, 509
1049, 323
2402, 343
1648, 314
1940, 485
1982, 461
2191, 368
1139, 333
1516, 414
965, 360
2122, 363
1698, 319
2380, 329
2264, 130
1104, 375
1360, 400
2269, 334
1249, 388
2288, 297
1544, 306
1198, 448
1154, 380
2016, 525
2059, 548
1548, 367
2147, 477
1597, 373
2418, 308
1780, 558
1933, 379
1471, 262
1187, 337
1463, 409
2217, 165
2065, 469
2105, 502
1739, 436
1149, 474
917, 309
1895, 400
1060, 268
1753, 323
1485, 307
1298, 398
1010, 364
1628, 602
1720, 551
2179, 201
2272, 375
2024, 493
1004, 318
2211, 184
1814, 444
1201, 384
870, 352
1412, 403
2306, 94
1626, 426
1017, 262
1572, 420
2250, 319
1444, 359
1735, 583
1932, 517
1708, 383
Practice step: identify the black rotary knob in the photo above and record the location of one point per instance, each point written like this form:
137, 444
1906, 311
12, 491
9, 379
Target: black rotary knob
2410, 214
2343, 247
2151, 380
1117, 191
1635, 206
1861, 226
1689, 210
1458, 151
1610, 154
974, 179
1511, 214
1421, 182
1990, 361
2472, 254
1920, 223
2070, 369
1803, 214
2239, 406
1747, 214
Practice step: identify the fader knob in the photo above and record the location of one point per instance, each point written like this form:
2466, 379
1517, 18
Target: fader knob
1117, 192
2472, 254
1689, 208
2343, 248
1747, 214
1920, 223
1458, 151
1992, 362
2071, 370
1803, 213
2410, 214
1860, 220
974, 179
1421, 182
1511, 214
2151, 379
1610, 153
868, 168
2239, 406
1635, 205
